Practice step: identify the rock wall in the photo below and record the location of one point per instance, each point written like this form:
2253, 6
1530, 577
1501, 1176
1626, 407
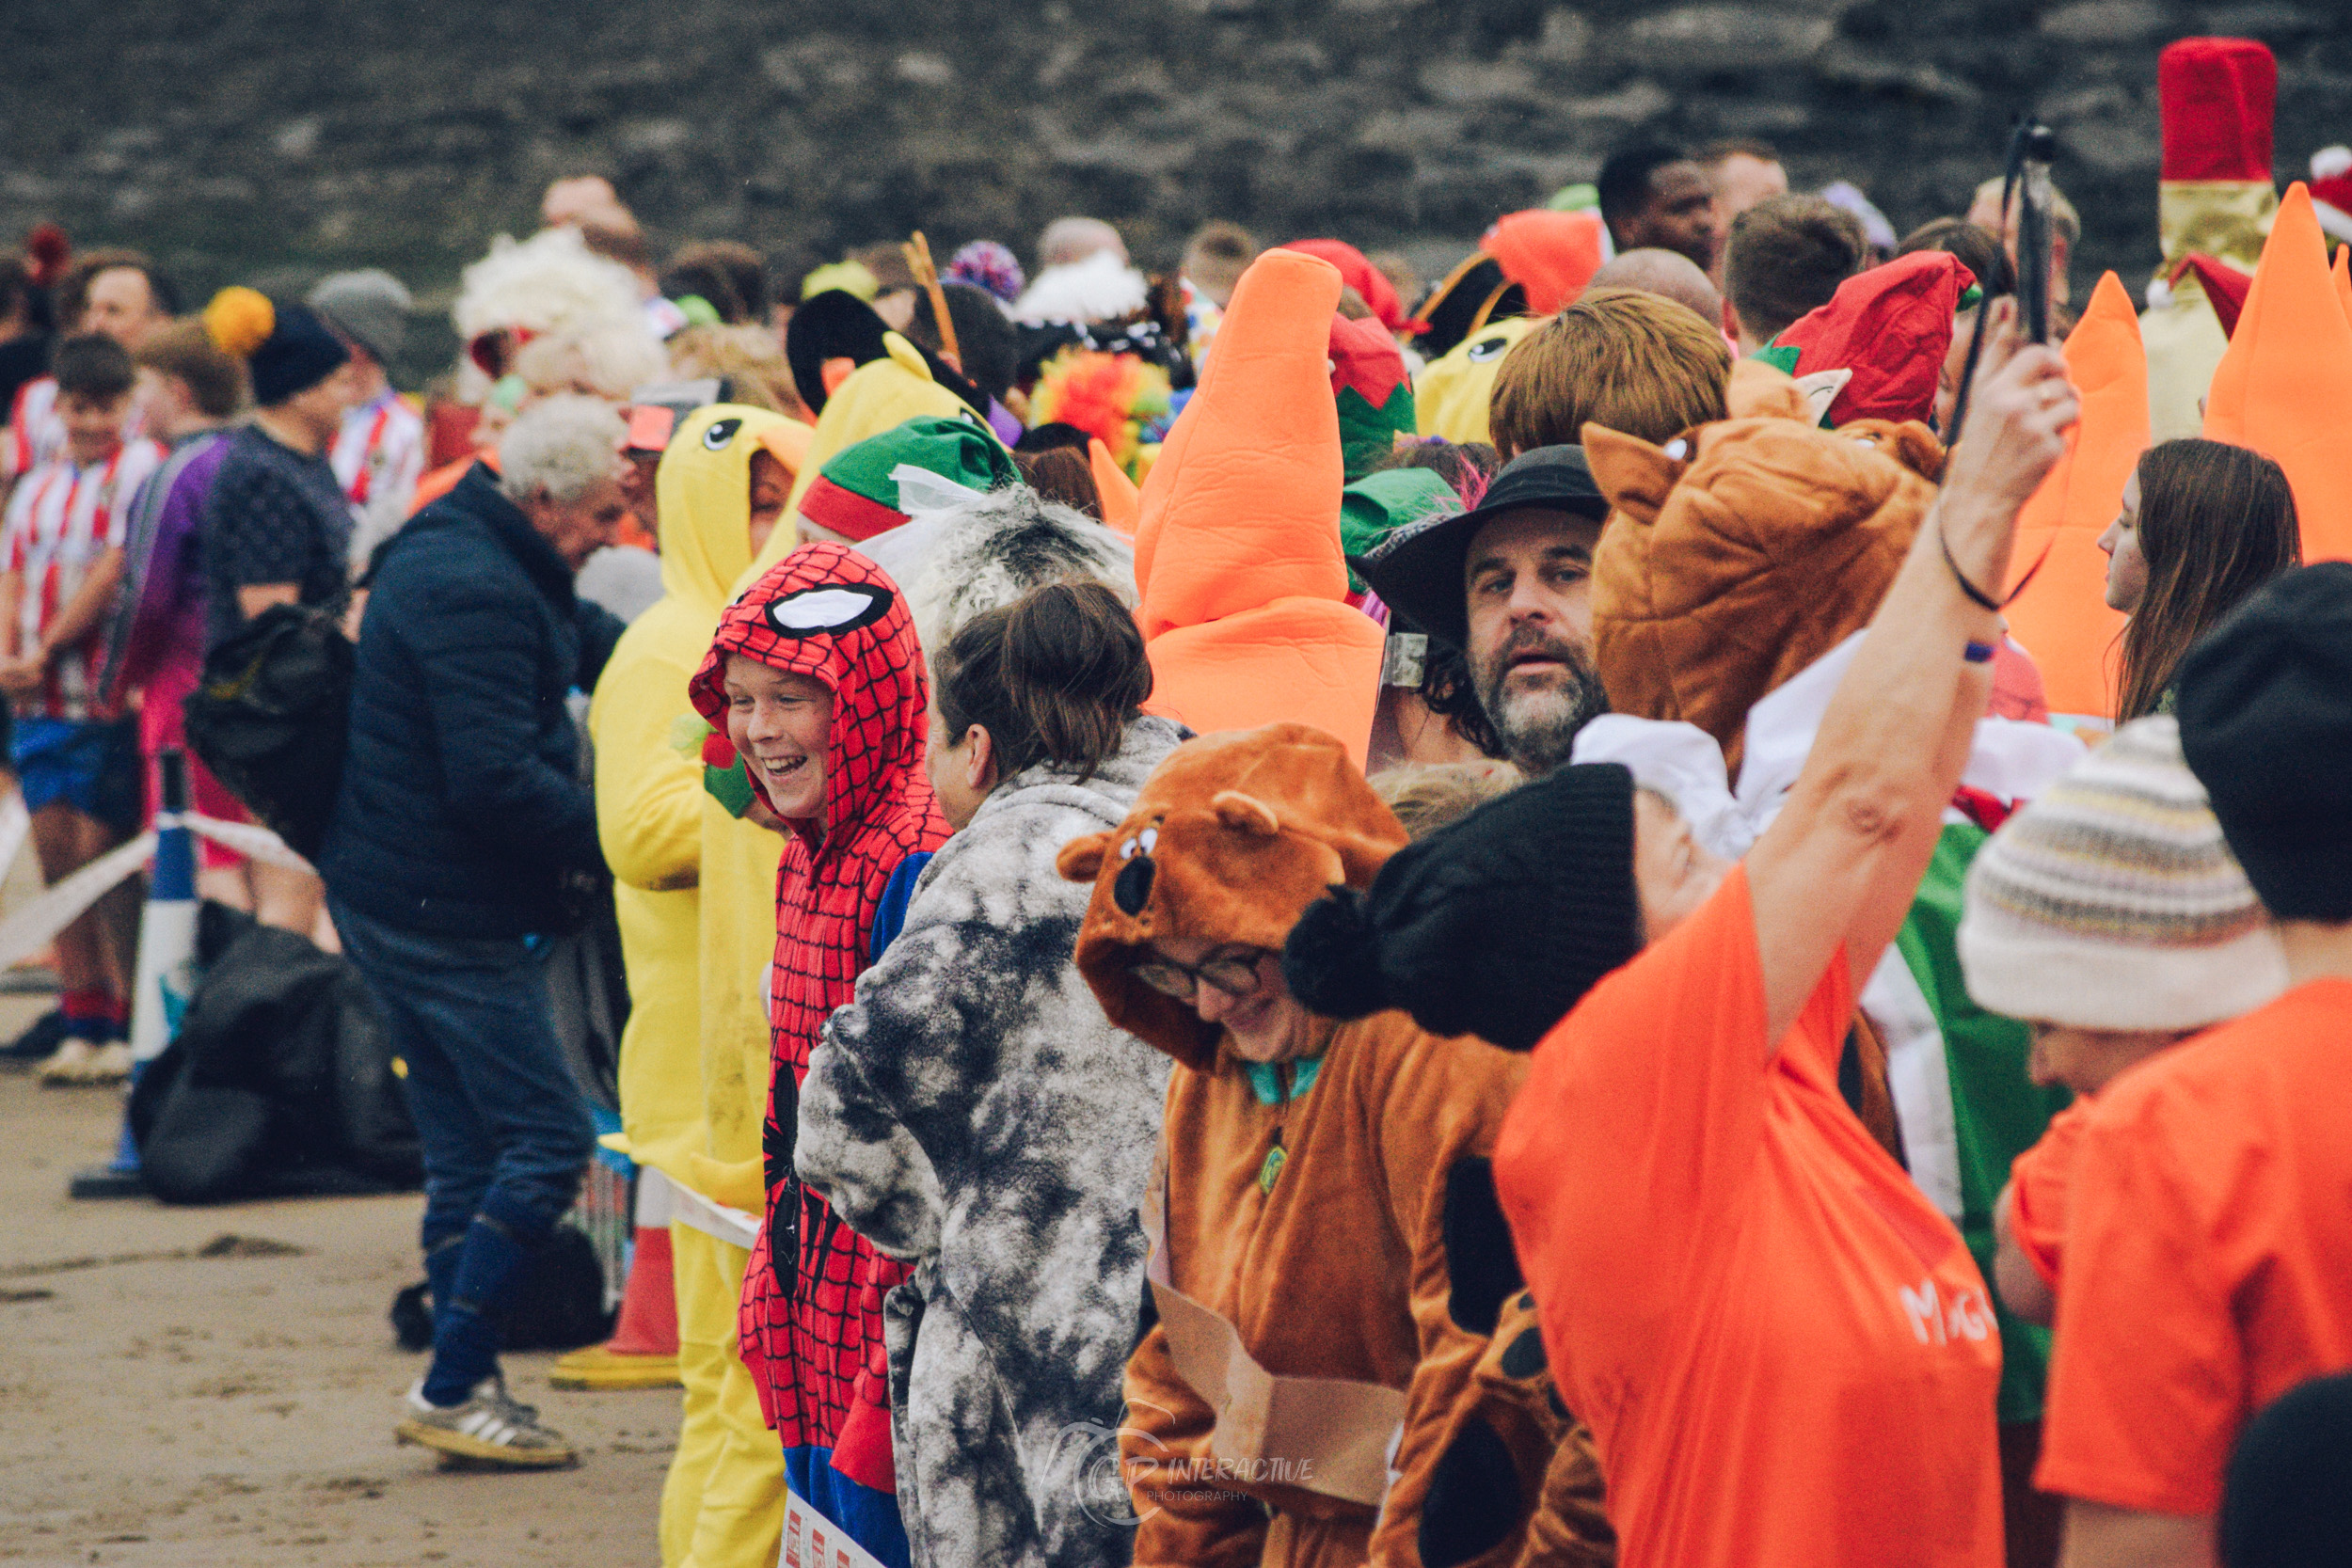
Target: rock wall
271, 139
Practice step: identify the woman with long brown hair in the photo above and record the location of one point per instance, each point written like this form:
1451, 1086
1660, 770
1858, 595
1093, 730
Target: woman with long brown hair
974, 1114
2203, 525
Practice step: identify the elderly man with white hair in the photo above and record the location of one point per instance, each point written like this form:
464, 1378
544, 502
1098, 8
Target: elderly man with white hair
461, 821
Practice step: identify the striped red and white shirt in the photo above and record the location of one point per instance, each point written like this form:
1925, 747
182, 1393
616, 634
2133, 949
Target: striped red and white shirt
36, 430
62, 519
377, 457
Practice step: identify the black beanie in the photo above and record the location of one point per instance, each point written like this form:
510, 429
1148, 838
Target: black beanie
299, 352
2265, 708
2287, 1499
1495, 925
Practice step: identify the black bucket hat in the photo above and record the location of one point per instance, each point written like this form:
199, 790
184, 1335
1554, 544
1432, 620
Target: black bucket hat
1418, 571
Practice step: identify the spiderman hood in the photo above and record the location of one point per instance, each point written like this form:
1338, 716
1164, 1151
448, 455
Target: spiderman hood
827, 611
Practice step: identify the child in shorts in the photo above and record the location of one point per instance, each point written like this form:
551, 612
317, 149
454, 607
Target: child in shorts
60, 569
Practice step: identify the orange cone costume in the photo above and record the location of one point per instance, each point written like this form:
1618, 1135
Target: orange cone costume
2062, 617
2217, 98
1243, 589
2282, 387
1121, 501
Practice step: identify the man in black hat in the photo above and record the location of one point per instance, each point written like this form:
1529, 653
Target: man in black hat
1510, 584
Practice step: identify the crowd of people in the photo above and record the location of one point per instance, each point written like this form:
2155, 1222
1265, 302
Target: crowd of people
1675, 900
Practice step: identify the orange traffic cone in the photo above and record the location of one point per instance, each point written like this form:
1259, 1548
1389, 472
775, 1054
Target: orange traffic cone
2283, 385
642, 1352
2062, 617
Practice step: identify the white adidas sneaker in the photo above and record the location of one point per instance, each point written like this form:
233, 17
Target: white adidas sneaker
489, 1428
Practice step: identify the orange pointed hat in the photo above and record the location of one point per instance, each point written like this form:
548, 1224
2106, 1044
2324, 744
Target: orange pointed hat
2283, 385
2062, 616
1117, 494
1242, 587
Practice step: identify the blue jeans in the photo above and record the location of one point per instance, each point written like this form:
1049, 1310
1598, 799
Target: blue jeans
502, 1123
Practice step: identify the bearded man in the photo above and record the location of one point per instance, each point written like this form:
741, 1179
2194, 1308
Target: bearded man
1509, 584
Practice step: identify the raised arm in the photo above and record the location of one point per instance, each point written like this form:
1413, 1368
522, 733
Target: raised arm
1841, 864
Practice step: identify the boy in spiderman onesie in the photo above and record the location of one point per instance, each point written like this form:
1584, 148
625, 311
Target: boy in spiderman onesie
817, 679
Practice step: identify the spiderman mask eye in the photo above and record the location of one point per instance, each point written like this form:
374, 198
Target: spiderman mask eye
830, 608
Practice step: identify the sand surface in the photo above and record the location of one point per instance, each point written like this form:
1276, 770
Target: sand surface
158, 1407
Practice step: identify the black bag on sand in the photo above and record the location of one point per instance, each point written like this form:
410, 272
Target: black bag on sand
270, 716
279, 1083
557, 1303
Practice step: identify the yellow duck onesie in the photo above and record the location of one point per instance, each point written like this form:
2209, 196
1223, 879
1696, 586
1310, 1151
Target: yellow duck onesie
880, 394
723, 1499
741, 1521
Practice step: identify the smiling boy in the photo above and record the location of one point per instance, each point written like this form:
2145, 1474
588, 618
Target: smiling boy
62, 546
818, 681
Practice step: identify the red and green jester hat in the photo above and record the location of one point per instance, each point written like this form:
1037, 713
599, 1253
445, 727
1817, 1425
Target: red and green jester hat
811, 1327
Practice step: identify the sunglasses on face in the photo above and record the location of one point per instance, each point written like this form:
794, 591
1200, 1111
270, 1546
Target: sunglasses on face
1235, 975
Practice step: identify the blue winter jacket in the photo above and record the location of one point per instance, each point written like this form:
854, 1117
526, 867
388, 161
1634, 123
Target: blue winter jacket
463, 809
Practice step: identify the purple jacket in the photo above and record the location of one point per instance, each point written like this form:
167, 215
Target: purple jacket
159, 621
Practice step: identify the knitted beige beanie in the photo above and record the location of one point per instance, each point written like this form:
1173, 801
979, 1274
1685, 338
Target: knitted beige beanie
2112, 901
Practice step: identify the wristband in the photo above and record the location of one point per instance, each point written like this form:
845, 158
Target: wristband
1978, 596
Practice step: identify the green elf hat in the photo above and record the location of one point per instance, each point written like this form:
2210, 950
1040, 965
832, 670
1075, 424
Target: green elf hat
854, 496
1378, 504
1376, 396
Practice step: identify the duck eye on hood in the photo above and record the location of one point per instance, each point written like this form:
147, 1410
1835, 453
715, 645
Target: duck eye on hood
718, 433
830, 608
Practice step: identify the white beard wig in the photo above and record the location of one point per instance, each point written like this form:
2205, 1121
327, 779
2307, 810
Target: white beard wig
551, 282
1099, 288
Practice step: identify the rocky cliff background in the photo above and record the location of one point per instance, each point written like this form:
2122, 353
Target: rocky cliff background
269, 140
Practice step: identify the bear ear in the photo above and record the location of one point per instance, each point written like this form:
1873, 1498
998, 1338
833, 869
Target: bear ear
1361, 856
1914, 446
1245, 814
1081, 858
1635, 475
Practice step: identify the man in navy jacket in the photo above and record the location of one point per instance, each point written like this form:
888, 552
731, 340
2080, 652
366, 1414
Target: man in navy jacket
462, 818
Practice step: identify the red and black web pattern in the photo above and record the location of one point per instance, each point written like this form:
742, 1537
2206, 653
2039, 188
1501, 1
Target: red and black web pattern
826, 612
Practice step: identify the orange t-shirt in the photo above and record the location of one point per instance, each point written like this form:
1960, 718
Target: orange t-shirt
439, 481
1786, 1355
2208, 1254
2037, 1182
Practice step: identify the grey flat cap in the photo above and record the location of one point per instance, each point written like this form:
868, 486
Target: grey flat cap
370, 307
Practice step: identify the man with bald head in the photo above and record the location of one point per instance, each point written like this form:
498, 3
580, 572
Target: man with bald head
1666, 274
569, 200
1074, 239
